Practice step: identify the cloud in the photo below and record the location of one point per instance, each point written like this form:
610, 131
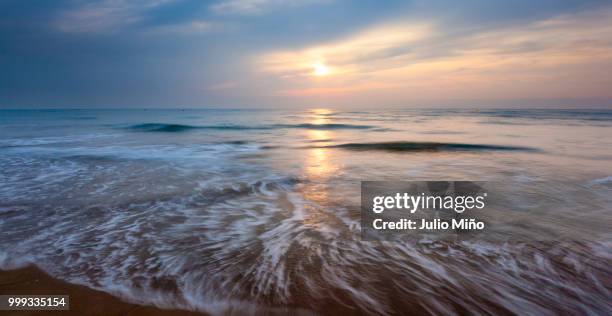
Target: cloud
191, 27
567, 56
336, 90
251, 7
354, 54
105, 16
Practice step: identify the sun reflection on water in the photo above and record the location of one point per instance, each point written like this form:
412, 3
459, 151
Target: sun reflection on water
318, 164
318, 169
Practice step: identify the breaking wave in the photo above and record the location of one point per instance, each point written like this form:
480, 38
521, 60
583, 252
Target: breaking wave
160, 214
161, 127
426, 146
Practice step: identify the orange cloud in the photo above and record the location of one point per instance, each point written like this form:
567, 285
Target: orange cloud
564, 57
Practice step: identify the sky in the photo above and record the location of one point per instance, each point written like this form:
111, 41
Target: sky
305, 53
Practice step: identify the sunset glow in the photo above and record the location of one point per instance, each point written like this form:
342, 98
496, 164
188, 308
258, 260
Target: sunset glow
305, 157
397, 63
227, 54
320, 70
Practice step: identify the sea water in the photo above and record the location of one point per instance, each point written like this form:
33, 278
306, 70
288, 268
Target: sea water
258, 210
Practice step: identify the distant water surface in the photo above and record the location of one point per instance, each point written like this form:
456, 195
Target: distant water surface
258, 210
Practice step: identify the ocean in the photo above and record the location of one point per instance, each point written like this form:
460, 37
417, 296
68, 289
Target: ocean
258, 211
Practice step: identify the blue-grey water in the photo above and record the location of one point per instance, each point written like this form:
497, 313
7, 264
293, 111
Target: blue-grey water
251, 211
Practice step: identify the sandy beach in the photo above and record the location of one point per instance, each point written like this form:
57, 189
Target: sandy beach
83, 300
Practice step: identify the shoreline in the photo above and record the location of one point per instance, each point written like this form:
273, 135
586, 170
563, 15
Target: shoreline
31, 280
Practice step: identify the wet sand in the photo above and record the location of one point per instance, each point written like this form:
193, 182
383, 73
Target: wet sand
83, 300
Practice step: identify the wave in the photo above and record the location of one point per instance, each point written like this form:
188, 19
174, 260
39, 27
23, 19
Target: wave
163, 127
209, 154
558, 114
50, 140
426, 146
244, 238
330, 126
325, 140
602, 181
160, 127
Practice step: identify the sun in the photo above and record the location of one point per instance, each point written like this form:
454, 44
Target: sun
320, 70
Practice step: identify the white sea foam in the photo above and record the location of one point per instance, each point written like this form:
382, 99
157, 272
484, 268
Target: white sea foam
184, 220
602, 181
